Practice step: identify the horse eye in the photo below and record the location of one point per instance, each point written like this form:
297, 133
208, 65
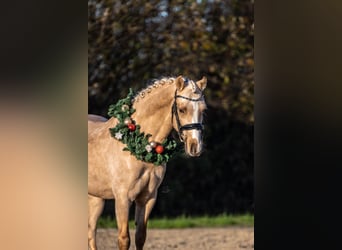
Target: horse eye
182, 111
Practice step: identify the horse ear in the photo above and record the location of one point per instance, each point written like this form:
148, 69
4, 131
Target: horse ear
202, 83
179, 83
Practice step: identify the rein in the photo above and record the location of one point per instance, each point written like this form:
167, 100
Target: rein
190, 126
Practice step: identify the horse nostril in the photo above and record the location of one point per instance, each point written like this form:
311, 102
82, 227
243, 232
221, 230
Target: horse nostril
193, 148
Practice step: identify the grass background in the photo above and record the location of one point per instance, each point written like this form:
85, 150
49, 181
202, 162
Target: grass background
222, 220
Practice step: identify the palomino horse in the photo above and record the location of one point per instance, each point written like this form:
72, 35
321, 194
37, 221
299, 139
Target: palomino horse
116, 174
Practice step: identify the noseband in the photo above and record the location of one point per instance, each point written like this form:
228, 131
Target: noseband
190, 126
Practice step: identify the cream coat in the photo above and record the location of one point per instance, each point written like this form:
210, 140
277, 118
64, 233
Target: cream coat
116, 174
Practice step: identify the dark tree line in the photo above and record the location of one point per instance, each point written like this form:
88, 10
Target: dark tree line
131, 42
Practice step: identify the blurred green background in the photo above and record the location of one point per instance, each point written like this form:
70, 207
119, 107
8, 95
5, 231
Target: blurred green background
132, 42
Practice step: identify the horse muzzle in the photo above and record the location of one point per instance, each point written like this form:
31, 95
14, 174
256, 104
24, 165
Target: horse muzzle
193, 147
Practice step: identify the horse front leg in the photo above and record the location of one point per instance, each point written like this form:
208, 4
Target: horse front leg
122, 206
95, 207
142, 212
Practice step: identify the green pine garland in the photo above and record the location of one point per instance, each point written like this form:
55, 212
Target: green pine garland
136, 142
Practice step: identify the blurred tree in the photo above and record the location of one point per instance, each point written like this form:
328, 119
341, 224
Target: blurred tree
132, 42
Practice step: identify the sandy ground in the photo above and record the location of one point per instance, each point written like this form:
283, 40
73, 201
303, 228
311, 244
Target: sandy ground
229, 238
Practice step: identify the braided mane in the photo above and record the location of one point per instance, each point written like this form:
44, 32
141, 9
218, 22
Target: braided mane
153, 85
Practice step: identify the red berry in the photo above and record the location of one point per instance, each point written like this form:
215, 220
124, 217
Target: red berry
159, 149
131, 127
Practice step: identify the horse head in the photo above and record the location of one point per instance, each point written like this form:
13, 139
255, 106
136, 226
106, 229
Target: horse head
187, 110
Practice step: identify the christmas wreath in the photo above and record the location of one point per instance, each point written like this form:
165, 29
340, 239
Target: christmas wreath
128, 132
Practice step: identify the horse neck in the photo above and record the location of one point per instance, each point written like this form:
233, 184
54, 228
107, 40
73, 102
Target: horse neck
153, 112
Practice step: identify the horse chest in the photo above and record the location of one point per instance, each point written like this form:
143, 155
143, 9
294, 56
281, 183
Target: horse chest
146, 186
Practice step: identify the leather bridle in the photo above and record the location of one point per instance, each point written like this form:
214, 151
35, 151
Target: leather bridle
190, 126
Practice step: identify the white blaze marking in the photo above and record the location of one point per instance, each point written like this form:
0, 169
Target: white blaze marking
195, 132
193, 86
